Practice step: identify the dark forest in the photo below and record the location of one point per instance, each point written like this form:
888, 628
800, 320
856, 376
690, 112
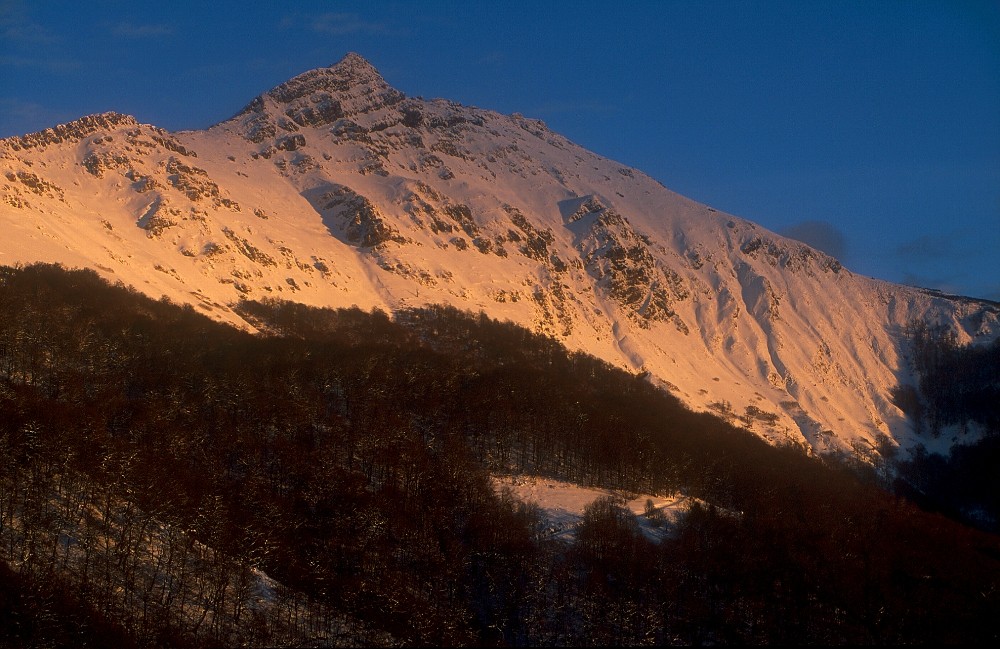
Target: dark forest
169, 481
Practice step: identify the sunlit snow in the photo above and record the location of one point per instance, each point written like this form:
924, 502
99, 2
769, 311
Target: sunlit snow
485, 212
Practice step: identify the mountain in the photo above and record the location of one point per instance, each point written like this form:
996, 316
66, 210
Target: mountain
335, 189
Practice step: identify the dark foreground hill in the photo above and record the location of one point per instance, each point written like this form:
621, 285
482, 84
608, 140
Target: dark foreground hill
166, 480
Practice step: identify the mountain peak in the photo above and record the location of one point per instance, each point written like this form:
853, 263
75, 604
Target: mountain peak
321, 96
351, 75
356, 65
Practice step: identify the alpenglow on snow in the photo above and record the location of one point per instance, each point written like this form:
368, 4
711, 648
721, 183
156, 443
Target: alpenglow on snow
336, 189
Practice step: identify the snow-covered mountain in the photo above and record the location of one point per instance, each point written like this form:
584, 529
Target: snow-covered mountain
335, 189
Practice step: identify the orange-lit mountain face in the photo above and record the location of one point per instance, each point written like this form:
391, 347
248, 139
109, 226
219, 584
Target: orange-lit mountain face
335, 189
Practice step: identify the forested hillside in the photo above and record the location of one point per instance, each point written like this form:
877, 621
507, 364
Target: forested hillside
166, 480
957, 393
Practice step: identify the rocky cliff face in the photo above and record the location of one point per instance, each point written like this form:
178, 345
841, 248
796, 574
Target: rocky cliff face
335, 189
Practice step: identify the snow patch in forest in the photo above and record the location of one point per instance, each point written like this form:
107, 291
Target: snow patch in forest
562, 504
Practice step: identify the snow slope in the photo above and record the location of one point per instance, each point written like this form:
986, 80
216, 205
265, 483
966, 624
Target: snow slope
335, 189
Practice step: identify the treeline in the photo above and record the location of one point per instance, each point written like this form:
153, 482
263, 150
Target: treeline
163, 468
958, 391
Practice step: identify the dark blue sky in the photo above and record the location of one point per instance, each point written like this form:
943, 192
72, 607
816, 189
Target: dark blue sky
870, 129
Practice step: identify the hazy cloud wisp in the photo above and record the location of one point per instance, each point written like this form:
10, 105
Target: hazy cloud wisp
820, 235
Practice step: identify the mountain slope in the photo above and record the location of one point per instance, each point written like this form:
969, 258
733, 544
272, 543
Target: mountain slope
336, 189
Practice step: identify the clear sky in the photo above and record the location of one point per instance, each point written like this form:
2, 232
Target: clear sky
869, 129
